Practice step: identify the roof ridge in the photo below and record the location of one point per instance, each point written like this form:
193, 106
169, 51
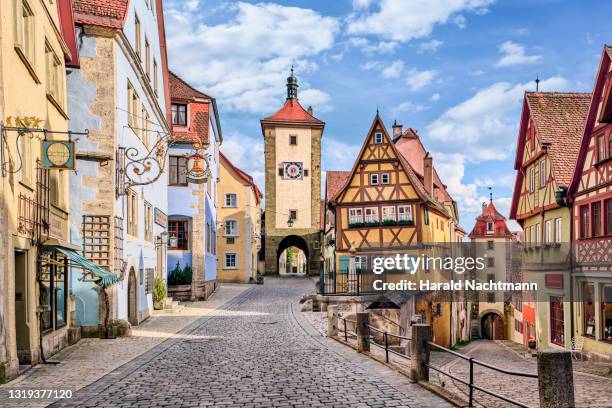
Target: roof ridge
187, 84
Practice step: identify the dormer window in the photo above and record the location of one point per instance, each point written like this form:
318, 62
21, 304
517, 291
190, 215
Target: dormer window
489, 227
179, 114
378, 138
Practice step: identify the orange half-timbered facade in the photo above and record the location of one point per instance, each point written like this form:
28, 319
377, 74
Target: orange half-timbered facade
591, 196
549, 139
384, 209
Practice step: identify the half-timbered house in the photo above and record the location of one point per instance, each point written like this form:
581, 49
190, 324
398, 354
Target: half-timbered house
548, 142
591, 195
382, 209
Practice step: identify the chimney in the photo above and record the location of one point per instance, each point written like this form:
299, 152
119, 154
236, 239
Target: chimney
484, 207
309, 110
397, 130
428, 173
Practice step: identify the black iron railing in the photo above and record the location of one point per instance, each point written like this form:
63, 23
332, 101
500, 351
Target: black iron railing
385, 345
470, 382
345, 330
345, 283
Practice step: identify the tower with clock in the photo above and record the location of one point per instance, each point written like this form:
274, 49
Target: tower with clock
292, 139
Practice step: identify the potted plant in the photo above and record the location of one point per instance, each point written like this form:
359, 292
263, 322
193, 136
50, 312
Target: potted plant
159, 294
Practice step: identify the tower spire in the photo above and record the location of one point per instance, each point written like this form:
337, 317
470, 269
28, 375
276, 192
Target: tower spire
490, 194
292, 86
537, 81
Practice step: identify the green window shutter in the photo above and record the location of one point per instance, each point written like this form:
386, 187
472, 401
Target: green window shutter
344, 264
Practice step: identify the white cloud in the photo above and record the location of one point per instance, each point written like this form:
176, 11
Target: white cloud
514, 54
370, 65
245, 60
315, 97
408, 106
460, 21
435, 97
337, 155
368, 47
247, 153
394, 70
418, 79
361, 4
192, 5
399, 20
431, 45
489, 115
478, 72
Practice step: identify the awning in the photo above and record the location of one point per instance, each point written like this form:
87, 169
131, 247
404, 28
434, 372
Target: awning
105, 278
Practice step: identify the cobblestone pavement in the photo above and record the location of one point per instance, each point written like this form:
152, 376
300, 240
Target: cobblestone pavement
256, 351
91, 359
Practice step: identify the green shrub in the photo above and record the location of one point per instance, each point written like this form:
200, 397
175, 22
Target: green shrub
180, 276
159, 294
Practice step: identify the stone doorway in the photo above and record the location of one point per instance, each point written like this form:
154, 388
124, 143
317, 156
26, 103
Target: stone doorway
132, 298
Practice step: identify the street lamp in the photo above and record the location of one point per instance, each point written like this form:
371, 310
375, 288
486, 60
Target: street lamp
173, 241
290, 222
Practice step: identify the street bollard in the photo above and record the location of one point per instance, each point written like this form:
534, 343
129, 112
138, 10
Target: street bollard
363, 331
332, 321
419, 352
555, 379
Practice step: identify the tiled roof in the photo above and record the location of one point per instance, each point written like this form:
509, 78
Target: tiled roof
105, 13
490, 214
334, 181
559, 118
245, 177
197, 132
179, 89
293, 112
411, 148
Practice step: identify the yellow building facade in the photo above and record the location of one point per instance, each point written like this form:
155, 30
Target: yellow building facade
33, 201
239, 215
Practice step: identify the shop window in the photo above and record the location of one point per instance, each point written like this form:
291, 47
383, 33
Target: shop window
606, 313
557, 335
53, 287
588, 303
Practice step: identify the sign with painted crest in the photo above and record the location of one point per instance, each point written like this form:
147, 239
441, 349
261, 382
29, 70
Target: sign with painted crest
198, 168
58, 154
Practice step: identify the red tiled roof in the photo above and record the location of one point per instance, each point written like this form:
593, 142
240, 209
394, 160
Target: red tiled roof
179, 89
559, 118
105, 13
244, 176
293, 112
334, 181
490, 214
411, 147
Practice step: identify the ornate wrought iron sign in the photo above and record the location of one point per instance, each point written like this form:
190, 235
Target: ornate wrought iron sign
198, 167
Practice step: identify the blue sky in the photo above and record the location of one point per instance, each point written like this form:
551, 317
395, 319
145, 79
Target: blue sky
455, 70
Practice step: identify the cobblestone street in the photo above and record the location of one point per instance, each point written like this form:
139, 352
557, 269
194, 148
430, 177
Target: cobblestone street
254, 351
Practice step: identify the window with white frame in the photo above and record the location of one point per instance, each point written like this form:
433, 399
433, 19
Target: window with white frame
373, 179
543, 173
384, 178
371, 214
532, 179
230, 261
361, 263
404, 213
548, 231
137, 41
355, 215
378, 138
230, 228
54, 70
231, 200
538, 237
558, 230
388, 213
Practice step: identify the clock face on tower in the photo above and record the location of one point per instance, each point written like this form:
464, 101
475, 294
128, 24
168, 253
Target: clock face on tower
293, 170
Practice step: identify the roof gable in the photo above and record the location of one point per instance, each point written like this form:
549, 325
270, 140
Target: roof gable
245, 177
414, 180
598, 91
179, 89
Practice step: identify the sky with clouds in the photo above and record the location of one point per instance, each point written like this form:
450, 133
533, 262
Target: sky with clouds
455, 70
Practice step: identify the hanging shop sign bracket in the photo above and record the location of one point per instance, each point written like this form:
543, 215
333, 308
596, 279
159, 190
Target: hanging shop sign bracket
55, 154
